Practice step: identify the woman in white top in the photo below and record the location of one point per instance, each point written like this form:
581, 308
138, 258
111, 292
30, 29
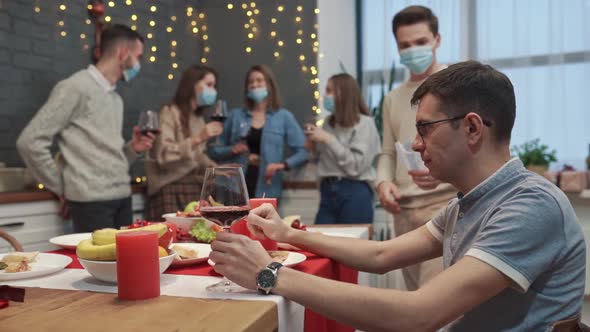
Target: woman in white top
345, 149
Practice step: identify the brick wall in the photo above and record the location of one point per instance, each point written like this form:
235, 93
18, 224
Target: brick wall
34, 55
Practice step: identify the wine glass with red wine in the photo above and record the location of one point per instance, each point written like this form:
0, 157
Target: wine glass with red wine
148, 123
224, 200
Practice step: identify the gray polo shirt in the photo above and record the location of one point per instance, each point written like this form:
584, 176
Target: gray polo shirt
525, 227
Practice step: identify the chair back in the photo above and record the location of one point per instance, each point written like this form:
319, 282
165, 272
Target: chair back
10, 239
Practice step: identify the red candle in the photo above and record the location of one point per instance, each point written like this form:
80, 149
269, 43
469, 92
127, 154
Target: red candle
240, 227
138, 265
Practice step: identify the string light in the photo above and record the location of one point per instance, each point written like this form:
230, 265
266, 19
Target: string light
168, 29
153, 9
252, 4
88, 21
252, 21
280, 43
40, 186
62, 7
317, 10
249, 13
37, 9
134, 17
299, 8
250, 35
230, 6
173, 43
280, 8
193, 23
153, 58
128, 2
300, 32
273, 33
63, 33
134, 27
205, 37
244, 6
154, 48
195, 30
297, 19
256, 11
172, 54
313, 35
82, 36
107, 18
201, 15
152, 23
207, 49
173, 18
298, 40
248, 49
302, 57
170, 76
277, 54
273, 20
175, 65
246, 26
111, 4
203, 60
150, 35
60, 23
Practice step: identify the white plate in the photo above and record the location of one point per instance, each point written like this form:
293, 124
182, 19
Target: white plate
294, 258
44, 264
203, 250
70, 241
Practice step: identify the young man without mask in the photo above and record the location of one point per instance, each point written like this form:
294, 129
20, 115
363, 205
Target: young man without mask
84, 116
412, 196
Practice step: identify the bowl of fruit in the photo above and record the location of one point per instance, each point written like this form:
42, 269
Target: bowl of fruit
98, 255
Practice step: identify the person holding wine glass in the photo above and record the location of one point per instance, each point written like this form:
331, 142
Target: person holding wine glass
255, 135
175, 175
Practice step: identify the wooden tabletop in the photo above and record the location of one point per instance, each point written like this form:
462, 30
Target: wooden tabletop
64, 311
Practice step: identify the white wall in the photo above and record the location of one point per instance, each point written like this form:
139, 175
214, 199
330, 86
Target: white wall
337, 37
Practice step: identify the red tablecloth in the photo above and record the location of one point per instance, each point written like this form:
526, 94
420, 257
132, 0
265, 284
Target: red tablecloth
319, 266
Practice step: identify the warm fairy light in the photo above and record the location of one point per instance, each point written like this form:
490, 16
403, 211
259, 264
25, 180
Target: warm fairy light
249, 13
189, 9
318, 111
89, 7
88, 21
203, 60
60, 23
82, 36
311, 81
320, 122
170, 76
250, 35
256, 11
168, 29
246, 26
299, 32
254, 29
304, 69
150, 35
175, 65
252, 4
134, 17
62, 7
134, 27
144, 178
298, 40
297, 19
204, 28
273, 33
172, 54
316, 43
299, 8
152, 23
128, 2
315, 49
194, 23
273, 20
154, 48
280, 43
251, 21
173, 43
207, 49
205, 37
302, 57
195, 30
153, 58
111, 4
37, 9
244, 6
313, 108
248, 49
201, 15
138, 179
317, 81
230, 6
313, 35
173, 18
40, 186
280, 8
107, 18
63, 33
317, 10
277, 54
153, 9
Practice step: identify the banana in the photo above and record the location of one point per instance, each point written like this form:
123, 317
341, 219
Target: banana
107, 235
87, 250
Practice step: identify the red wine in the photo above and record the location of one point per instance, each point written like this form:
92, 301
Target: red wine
225, 216
217, 117
155, 132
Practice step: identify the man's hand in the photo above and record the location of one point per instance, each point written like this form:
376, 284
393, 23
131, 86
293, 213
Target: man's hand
423, 179
141, 143
239, 148
389, 196
264, 221
238, 258
64, 211
271, 170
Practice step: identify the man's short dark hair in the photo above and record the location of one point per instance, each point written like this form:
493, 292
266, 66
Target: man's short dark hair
415, 14
115, 33
473, 87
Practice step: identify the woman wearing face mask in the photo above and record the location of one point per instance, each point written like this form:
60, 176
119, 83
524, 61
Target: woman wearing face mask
255, 135
345, 150
176, 176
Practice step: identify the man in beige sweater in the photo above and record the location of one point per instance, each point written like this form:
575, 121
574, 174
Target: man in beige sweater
412, 196
84, 115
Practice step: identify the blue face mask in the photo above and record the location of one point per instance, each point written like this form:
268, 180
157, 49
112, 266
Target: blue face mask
417, 58
329, 103
130, 73
258, 94
207, 97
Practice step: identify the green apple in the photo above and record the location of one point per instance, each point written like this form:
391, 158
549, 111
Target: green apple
191, 207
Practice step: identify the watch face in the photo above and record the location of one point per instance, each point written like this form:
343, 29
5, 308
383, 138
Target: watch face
266, 279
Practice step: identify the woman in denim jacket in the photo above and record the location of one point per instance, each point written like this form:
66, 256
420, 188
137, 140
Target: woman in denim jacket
255, 136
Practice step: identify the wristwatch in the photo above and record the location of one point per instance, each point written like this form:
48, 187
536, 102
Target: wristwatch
266, 279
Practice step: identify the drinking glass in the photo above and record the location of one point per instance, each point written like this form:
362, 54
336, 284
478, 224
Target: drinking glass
224, 200
148, 123
219, 114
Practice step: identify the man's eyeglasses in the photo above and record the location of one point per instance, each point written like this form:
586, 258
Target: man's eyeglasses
423, 127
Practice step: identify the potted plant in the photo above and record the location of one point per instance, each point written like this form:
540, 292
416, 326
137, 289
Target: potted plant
536, 157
